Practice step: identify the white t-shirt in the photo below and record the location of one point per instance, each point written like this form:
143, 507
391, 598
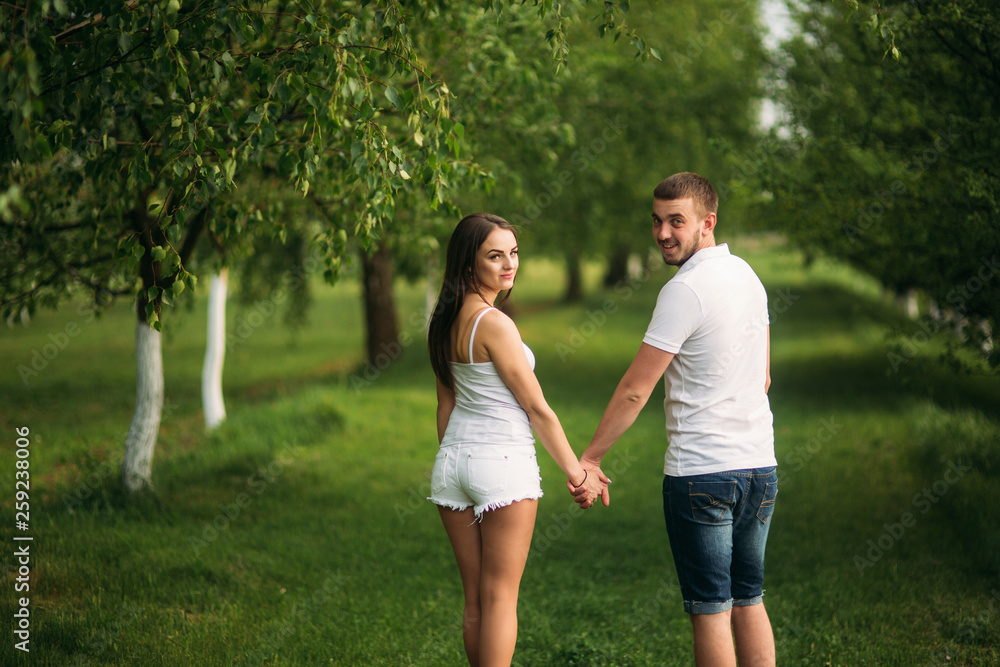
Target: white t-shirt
713, 316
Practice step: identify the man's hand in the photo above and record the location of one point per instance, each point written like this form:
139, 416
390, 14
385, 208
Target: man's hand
595, 486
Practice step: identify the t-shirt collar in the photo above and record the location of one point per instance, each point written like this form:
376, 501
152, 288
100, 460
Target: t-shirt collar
720, 250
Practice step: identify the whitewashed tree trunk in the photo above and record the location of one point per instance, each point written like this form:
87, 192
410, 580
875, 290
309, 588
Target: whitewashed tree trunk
215, 352
907, 302
987, 332
138, 462
934, 310
912, 304
635, 267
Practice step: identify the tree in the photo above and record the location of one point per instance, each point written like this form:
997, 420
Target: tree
617, 127
128, 124
271, 264
166, 109
894, 168
503, 74
504, 83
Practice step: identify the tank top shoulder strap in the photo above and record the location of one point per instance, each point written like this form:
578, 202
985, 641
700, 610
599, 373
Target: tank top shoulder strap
475, 326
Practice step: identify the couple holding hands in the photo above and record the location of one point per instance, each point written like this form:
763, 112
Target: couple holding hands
709, 341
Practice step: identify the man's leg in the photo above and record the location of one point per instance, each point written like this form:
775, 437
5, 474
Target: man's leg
713, 640
754, 638
698, 513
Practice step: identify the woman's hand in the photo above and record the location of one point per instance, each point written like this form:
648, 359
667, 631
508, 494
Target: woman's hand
593, 485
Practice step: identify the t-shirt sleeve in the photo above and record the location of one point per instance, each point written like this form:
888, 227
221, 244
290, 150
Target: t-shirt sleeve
677, 314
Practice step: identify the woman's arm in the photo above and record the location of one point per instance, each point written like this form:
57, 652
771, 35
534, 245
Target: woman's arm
446, 403
503, 343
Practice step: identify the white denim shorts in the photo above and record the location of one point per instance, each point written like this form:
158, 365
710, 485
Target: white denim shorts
484, 477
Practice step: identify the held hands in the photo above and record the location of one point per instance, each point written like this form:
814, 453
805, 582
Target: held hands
594, 486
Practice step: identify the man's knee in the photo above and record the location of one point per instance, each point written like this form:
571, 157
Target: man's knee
708, 621
749, 610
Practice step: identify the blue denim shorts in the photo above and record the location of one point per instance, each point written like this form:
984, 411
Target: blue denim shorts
717, 525
484, 477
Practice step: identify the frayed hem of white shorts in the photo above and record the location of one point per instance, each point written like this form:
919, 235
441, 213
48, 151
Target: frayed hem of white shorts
452, 506
482, 509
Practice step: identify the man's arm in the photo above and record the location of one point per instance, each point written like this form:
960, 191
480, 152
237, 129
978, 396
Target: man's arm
631, 395
767, 369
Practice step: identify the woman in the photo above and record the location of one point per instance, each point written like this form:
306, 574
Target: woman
485, 479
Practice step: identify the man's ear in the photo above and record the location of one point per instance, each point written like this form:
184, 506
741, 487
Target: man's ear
708, 224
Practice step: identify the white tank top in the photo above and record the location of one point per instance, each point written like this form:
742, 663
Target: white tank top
486, 411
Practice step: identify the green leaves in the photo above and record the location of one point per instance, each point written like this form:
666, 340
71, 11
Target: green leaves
182, 104
124, 42
880, 26
884, 161
258, 71
256, 115
13, 203
393, 96
228, 62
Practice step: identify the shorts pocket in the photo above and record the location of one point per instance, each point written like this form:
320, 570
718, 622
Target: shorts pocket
767, 502
487, 474
439, 475
712, 502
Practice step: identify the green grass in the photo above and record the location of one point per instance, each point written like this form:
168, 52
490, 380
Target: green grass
298, 533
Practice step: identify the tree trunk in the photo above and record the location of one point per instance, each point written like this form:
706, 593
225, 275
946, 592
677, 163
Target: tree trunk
215, 352
908, 303
137, 465
574, 278
617, 266
381, 328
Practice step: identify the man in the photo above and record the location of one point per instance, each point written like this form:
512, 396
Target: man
710, 341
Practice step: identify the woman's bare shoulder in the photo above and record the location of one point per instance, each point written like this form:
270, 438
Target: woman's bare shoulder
499, 325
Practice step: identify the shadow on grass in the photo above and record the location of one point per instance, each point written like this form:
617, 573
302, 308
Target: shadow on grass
850, 363
251, 446
837, 381
333, 373
818, 310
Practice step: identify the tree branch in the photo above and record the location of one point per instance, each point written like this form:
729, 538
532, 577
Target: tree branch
94, 20
20, 298
45, 228
963, 56
108, 63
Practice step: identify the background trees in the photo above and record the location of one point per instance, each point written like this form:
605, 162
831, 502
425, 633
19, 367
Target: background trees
148, 143
580, 187
893, 167
130, 126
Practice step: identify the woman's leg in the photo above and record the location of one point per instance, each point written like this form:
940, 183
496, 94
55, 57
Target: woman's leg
463, 531
506, 539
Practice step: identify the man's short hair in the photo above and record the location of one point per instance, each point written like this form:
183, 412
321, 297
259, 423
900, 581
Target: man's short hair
686, 184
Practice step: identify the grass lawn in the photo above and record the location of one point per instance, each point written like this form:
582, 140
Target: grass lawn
298, 534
